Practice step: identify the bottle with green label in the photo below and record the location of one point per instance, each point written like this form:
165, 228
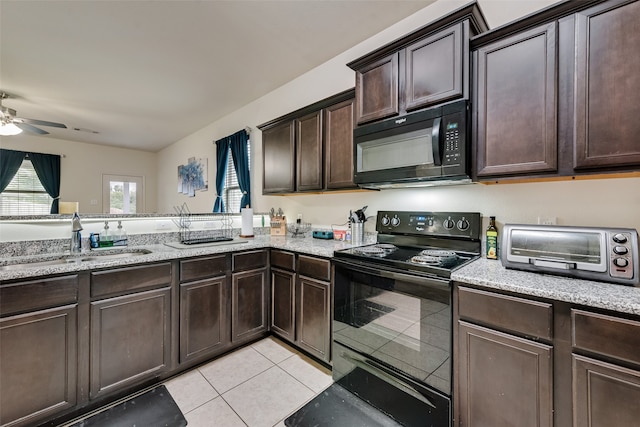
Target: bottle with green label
492, 239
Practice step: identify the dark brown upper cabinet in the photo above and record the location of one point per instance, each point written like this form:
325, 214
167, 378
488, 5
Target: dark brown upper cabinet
278, 158
338, 144
310, 149
551, 93
607, 83
377, 89
515, 104
424, 68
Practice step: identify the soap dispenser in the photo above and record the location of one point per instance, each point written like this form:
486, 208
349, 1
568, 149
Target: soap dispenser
105, 236
120, 237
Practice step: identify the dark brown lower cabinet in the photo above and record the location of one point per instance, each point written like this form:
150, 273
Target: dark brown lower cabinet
504, 380
204, 326
130, 340
249, 305
204, 329
604, 394
283, 309
38, 365
314, 317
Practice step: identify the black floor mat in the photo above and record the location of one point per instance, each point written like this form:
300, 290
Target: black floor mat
153, 408
336, 407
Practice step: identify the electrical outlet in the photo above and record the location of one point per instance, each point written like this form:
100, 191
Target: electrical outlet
547, 220
93, 202
163, 225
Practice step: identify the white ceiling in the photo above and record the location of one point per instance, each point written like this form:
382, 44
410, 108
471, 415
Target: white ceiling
144, 74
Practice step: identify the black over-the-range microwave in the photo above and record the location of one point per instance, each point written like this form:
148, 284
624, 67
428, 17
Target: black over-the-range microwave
424, 148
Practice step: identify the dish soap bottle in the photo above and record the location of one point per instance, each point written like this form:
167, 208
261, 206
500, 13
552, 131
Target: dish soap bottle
492, 239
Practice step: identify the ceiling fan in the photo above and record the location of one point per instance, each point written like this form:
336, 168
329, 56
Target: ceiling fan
12, 125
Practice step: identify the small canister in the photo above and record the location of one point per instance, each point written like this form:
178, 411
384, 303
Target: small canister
94, 240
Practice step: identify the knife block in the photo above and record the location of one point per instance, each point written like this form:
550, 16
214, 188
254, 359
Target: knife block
278, 226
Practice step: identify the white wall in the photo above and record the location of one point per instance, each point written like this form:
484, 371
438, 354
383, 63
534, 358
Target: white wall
83, 165
588, 202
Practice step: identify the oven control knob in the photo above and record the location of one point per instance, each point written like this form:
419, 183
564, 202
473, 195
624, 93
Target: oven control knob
449, 224
620, 262
620, 238
395, 221
463, 225
620, 250
385, 220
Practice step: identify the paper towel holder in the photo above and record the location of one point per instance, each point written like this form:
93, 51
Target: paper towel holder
246, 229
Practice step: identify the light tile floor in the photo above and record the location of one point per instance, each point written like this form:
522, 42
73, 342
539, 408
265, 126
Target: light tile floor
257, 386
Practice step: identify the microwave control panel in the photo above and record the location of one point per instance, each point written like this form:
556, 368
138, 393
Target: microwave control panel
454, 140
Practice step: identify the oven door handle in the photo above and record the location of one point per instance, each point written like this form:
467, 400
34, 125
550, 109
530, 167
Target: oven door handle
381, 372
407, 278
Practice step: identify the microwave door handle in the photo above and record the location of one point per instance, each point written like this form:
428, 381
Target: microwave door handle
436, 142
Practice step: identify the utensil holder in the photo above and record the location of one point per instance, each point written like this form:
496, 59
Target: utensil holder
357, 233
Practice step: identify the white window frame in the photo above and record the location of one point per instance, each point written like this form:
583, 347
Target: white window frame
106, 190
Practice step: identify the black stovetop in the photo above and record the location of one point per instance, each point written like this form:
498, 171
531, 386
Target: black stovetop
451, 239
404, 258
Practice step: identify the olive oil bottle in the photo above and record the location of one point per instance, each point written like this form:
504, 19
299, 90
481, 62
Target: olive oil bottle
492, 239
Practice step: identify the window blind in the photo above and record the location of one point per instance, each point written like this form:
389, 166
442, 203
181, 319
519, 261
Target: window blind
25, 195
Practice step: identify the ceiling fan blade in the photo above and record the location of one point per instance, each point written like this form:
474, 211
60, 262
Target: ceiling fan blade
40, 122
31, 129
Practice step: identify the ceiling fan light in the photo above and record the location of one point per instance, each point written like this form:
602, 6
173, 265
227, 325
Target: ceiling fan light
9, 129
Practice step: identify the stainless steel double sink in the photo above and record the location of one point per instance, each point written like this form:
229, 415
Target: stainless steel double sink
71, 259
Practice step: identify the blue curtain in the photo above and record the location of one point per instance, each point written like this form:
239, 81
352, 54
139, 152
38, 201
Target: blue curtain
47, 167
10, 161
238, 145
222, 155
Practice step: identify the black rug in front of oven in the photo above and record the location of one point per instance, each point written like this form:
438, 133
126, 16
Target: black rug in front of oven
337, 407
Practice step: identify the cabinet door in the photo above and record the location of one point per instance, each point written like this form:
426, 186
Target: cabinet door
338, 145
314, 317
504, 381
604, 394
278, 157
283, 303
309, 152
203, 318
249, 296
515, 104
377, 89
607, 84
38, 365
130, 340
434, 68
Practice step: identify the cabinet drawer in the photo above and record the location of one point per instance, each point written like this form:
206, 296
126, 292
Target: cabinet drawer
607, 335
317, 268
202, 268
529, 318
249, 260
284, 260
130, 279
38, 294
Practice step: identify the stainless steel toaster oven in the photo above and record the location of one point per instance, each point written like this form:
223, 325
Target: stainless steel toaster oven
602, 254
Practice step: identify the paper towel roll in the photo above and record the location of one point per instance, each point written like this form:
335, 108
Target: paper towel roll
247, 222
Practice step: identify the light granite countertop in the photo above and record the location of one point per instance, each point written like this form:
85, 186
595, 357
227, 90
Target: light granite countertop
492, 275
163, 252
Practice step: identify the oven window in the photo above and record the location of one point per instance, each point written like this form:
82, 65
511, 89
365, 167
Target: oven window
409, 149
569, 247
389, 322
